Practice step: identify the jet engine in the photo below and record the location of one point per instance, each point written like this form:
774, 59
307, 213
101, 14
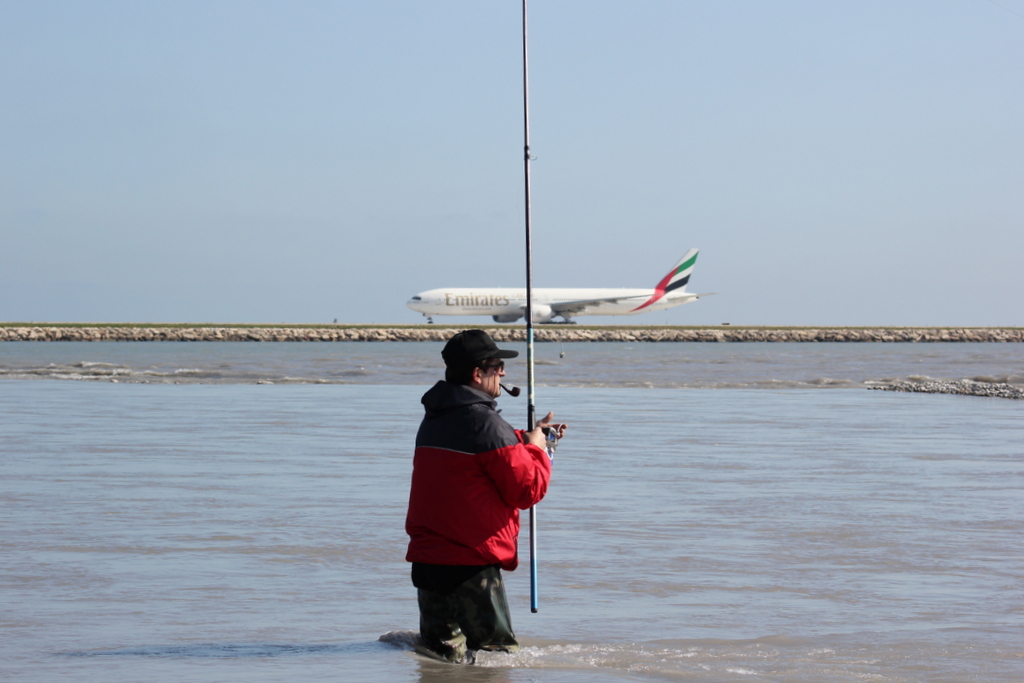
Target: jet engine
542, 313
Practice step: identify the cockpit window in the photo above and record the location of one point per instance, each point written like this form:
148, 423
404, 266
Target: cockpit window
416, 298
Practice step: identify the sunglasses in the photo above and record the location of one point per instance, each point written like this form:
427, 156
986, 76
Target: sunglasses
500, 365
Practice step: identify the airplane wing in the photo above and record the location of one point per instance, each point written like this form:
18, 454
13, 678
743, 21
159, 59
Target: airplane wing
565, 308
577, 307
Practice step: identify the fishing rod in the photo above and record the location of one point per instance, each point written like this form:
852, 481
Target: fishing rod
531, 413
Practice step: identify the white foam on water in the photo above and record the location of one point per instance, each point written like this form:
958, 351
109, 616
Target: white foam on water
597, 364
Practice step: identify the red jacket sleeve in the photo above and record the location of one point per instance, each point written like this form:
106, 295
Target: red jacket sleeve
520, 472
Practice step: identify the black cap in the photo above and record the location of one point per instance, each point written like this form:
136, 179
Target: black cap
468, 348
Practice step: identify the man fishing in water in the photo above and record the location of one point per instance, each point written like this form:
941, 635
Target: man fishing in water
472, 473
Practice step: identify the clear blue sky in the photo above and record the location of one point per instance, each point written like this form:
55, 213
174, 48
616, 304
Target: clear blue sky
853, 162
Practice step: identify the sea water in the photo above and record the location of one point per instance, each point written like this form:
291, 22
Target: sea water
718, 512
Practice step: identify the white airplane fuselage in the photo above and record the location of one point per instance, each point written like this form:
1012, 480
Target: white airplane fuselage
508, 304
511, 301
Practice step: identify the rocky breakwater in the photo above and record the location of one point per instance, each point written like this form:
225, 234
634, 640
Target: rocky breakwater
783, 334
542, 333
216, 333
963, 387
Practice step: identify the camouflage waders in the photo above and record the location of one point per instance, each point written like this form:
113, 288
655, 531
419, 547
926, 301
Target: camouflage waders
473, 617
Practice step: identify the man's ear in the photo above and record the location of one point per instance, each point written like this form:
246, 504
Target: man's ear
477, 376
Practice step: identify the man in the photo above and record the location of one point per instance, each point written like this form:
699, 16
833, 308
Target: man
472, 473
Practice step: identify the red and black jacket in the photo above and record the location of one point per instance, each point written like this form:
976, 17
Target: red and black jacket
471, 475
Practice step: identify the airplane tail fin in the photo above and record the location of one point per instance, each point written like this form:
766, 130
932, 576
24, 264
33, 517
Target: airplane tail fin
679, 276
675, 280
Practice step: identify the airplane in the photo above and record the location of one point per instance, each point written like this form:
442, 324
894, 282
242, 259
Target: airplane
508, 304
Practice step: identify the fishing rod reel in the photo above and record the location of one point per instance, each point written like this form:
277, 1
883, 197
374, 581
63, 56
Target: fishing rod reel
551, 440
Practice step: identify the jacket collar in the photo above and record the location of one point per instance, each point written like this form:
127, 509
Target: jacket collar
445, 396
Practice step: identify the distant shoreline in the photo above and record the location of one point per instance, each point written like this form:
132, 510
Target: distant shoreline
186, 332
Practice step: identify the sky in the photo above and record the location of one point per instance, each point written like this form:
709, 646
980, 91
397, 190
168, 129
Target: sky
851, 162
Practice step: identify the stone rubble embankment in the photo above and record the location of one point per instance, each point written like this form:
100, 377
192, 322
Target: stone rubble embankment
564, 333
962, 387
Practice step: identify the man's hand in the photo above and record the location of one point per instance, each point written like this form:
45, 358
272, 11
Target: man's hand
537, 436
